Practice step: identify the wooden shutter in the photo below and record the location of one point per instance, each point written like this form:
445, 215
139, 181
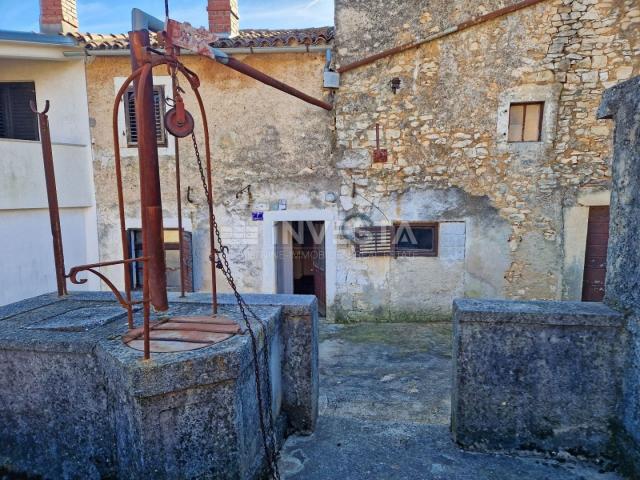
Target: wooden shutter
16, 118
374, 241
131, 123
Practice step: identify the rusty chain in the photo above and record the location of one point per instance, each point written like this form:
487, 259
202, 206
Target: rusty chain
222, 263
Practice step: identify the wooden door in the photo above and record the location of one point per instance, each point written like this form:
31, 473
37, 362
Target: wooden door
595, 263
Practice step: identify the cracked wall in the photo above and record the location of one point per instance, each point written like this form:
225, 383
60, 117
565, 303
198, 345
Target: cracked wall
260, 137
444, 130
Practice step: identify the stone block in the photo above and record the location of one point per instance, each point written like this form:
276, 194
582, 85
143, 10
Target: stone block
78, 403
536, 375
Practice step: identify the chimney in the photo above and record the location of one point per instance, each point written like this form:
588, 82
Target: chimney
58, 16
223, 17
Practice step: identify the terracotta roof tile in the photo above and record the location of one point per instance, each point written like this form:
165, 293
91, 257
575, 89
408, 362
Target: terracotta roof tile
246, 38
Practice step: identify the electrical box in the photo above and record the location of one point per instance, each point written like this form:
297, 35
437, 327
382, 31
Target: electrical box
331, 79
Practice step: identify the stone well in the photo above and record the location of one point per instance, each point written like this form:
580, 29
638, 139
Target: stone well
75, 402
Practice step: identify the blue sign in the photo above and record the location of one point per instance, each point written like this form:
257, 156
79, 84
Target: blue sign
257, 216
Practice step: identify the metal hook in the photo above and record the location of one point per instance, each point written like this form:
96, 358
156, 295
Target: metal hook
34, 107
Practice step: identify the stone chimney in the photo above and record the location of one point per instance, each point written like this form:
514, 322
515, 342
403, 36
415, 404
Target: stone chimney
223, 17
58, 16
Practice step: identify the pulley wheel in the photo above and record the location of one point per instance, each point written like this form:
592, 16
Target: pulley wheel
178, 129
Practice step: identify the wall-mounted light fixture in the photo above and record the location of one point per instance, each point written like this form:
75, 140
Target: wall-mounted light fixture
395, 84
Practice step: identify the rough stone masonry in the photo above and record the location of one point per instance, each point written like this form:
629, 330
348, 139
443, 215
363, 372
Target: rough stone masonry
562, 375
449, 161
622, 104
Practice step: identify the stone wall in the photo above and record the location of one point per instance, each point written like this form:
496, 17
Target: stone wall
444, 130
79, 403
278, 144
536, 375
622, 103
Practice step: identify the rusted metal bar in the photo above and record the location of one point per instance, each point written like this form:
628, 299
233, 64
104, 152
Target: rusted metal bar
126, 303
183, 272
198, 40
52, 196
457, 28
123, 227
212, 237
151, 201
245, 69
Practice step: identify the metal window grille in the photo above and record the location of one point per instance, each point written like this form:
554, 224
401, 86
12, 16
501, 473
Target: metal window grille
374, 241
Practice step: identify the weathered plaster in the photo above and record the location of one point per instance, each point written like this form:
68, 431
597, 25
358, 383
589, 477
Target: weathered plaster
259, 136
445, 126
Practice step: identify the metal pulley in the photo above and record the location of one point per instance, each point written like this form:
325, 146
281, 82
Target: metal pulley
178, 121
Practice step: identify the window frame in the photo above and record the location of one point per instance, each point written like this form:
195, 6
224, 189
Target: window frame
5, 90
524, 121
162, 138
398, 252
389, 233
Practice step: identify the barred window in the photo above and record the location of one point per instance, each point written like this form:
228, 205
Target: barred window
403, 239
131, 122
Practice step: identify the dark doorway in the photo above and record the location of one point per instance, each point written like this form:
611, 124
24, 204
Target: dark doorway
595, 262
301, 260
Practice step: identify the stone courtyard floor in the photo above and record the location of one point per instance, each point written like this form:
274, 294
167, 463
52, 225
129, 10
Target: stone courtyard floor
384, 414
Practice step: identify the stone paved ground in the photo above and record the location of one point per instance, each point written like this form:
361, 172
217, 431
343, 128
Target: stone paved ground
384, 414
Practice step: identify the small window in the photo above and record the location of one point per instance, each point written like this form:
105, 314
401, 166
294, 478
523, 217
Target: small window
172, 258
525, 122
130, 116
16, 118
415, 240
400, 240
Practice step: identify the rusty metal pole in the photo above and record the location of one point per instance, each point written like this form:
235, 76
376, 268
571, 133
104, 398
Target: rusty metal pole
52, 196
151, 201
183, 273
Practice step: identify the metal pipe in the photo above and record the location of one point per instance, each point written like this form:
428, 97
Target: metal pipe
179, 204
143, 21
52, 197
150, 194
248, 70
457, 28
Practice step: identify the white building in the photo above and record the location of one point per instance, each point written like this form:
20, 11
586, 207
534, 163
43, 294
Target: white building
33, 66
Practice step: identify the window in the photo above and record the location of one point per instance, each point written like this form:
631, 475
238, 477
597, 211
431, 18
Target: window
415, 240
525, 122
172, 257
130, 117
16, 118
400, 240
373, 241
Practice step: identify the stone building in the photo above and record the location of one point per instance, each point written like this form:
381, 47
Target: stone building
495, 181
271, 152
508, 202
